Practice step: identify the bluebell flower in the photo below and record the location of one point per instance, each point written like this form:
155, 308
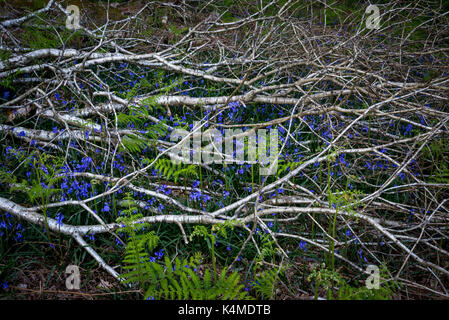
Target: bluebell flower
159, 254
18, 237
106, 207
361, 255
302, 245
59, 218
164, 189
195, 195
195, 184
91, 236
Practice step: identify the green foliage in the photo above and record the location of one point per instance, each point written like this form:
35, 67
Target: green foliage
145, 84
177, 31
149, 103
39, 4
347, 292
203, 232
329, 279
132, 93
440, 177
136, 253
41, 39
11, 179
436, 152
49, 176
265, 283
7, 81
48, 172
134, 143
385, 291
169, 169
268, 249
325, 278
42, 187
4, 55
178, 280
170, 280
349, 199
139, 115
285, 166
211, 236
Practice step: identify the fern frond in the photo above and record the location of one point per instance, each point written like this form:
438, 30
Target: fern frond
170, 169
285, 166
266, 282
134, 143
